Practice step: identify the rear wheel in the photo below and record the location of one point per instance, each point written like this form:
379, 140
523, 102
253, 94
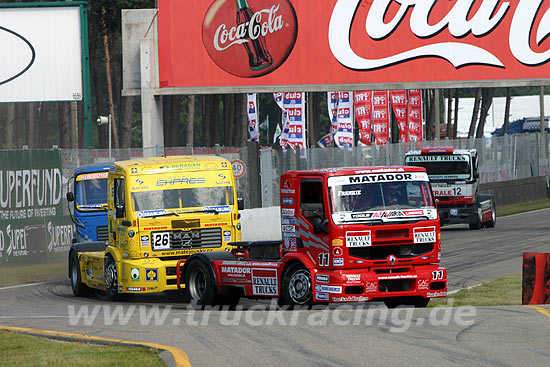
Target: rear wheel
79, 289
493, 221
296, 289
198, 284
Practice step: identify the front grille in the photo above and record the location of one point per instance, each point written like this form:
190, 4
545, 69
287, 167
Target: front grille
195, 238
102, 233
399, 251
186, 223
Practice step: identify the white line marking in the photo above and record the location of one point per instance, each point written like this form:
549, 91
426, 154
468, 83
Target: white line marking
23, 285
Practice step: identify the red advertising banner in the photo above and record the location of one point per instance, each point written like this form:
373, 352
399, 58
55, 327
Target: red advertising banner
399, 101
363, 115
381, 116
274, 44
536, 278
293, 117
415, 115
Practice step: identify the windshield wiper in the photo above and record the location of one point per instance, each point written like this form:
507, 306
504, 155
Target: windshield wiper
164, 215
214, 211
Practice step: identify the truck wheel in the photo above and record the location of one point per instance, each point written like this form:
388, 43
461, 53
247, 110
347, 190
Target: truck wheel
198, 284
493, 221
475, 219
79, 289
296, 289
111, 279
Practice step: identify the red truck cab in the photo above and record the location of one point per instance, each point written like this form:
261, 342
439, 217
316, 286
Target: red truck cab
348, 235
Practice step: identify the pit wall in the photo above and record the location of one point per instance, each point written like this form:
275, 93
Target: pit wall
265, 223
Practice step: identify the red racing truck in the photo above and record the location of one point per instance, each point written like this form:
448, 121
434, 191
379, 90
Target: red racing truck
348, 235
454, 178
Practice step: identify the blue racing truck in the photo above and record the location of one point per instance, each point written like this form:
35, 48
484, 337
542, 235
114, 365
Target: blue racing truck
89, 212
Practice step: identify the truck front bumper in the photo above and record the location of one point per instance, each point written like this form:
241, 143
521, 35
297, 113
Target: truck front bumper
360, 285
149, 275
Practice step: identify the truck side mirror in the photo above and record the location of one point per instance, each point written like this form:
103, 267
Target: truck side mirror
70, 196
120, 211
240, 201
319, 225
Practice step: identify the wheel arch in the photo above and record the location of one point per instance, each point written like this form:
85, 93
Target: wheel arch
206, 258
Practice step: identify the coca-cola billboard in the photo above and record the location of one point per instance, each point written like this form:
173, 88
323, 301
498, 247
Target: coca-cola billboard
297, 44
249, 38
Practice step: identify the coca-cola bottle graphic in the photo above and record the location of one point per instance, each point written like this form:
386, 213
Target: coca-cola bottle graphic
258, 55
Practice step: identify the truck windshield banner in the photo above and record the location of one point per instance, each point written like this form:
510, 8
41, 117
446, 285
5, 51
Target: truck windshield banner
33, 225
180, 180
350, 43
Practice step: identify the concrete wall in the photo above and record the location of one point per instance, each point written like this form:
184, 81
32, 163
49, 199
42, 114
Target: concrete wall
516, 191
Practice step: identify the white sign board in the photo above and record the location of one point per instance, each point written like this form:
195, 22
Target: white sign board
40, 52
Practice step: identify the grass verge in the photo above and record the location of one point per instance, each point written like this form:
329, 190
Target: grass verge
504, 291
17, 274
522, 207
29, 351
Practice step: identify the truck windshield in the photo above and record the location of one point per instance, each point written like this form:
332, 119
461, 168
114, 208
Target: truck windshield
183, 198
91, 191
443, 167
368, 197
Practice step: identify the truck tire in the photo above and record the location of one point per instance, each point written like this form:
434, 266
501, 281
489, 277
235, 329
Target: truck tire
416, 301
79, 289
475, 219
199, 284
493, 221
296, 289
110, 277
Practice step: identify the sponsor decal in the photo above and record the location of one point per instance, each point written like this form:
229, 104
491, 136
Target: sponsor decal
286, 191
150, 213
226, 236
235, 270
337, 251
359, 216
89, 274
321, 296
349, 193
353, 278
134, 274
423, 284
436, 294
437, 158
287, 220
327, 288
135, 289
219, 208
287, 212
382, 178
252, 39
144, 241
288, 228
350, 299
180, 180
290, 243
424, 235
154, 228
288, 201
321, 278
358, 239
403, 276
338, 261
265, 282
151, 275
371, 287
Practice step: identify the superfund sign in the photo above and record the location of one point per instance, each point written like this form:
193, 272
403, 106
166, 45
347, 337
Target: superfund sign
279, 43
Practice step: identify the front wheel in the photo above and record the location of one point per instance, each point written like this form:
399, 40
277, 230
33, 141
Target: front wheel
296, 289
111, 279
79, 289
475, 219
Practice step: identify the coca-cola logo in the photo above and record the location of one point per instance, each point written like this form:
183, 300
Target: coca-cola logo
457, 31
249, 38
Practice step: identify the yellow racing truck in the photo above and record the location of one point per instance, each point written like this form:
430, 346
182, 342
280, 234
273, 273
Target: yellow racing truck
160, 210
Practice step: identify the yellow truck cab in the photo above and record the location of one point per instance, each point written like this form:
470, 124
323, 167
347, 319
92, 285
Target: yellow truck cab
160, 210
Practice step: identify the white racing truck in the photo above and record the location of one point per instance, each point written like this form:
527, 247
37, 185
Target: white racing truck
454, 178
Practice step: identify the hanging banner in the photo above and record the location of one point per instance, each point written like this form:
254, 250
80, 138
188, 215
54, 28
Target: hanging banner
415, 115
343, 137
253, 117
381, 116
333, 98
398, 100
363, 115
293, 118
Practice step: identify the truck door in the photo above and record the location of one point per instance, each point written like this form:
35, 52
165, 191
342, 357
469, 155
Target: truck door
313, 212
120, 234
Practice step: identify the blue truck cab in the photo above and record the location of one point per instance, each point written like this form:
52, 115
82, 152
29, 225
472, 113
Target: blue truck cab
89, 211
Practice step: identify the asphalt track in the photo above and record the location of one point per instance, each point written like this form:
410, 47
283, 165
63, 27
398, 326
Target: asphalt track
356, 336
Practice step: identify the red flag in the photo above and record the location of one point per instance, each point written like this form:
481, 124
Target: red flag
399, 104
363, 115
381, 117
415, 115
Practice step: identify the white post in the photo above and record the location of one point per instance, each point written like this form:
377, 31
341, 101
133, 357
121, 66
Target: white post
110, 132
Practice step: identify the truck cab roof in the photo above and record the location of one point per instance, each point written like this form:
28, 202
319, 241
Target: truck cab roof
442, 150
170, 163
343, 171
94, 167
